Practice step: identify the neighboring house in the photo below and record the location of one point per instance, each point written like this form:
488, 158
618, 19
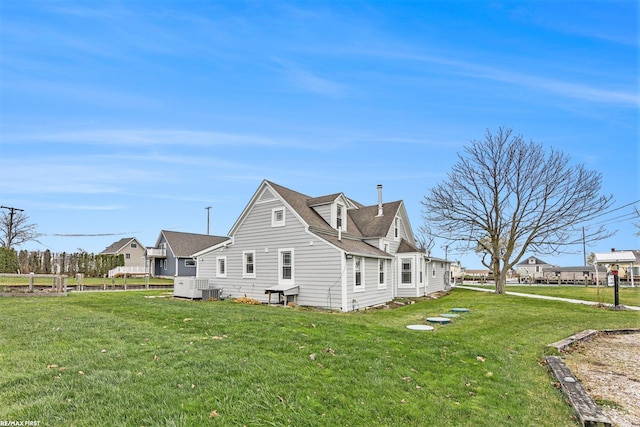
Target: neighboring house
531, 269
328, 251
134, 256
171, 255
575, 275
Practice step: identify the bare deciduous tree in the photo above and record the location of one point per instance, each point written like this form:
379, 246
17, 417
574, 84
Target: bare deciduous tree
15, 228
424, 238
506, 196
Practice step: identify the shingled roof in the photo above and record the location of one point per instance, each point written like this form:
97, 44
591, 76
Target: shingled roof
362, 223
117, 246
183, 245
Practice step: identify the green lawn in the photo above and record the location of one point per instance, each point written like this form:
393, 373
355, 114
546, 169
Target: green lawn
123, 359
604, 294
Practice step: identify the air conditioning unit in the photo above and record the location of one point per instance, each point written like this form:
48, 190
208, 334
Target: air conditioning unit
211, 293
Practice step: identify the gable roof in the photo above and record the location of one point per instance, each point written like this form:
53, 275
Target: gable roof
115, 247
183, 245
526, 262
370, 224
362, 221
367, 223
407, 247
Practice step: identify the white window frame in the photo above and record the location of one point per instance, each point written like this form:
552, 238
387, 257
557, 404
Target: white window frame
361, 286
340, 223
190, 262
245, 273
402, 272
433, 271
281, 280
222, 273
396, 228
274, 221
382, 284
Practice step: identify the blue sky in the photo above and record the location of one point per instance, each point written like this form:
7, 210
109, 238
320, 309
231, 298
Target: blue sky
133, 116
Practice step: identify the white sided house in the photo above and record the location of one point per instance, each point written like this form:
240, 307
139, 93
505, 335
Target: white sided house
328, 251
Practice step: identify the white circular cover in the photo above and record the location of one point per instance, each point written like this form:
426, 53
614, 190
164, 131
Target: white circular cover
420, 327
438, 319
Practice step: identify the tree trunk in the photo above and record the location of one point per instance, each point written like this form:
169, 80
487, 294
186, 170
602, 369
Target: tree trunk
501, 282
500, 278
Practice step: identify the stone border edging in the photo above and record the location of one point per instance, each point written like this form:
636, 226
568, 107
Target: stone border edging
588, 411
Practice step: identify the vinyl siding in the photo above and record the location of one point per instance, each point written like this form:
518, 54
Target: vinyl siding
316, 265
371, 295
325, 212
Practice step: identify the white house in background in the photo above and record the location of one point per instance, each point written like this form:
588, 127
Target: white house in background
328, 251
134, 256
531, 269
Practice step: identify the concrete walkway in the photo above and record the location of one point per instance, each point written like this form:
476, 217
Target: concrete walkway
520, 294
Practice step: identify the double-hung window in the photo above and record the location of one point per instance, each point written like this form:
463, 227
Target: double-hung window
339, 217
249, 263
406, 271
382, 266
221, 266
286, 266
358, 273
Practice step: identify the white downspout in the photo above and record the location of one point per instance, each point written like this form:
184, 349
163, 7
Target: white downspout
343, 268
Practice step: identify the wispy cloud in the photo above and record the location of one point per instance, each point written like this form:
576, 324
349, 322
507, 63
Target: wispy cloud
51, 177
310, 82
554, 86
148, 137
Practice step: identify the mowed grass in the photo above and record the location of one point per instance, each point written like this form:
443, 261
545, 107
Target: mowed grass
124, 359
601, 294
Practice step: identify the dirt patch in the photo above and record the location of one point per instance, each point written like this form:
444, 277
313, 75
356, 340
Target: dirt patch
609, 368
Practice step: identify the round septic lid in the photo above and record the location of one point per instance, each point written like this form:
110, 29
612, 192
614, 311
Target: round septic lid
420, 327
460, 310
451, 315
438, 319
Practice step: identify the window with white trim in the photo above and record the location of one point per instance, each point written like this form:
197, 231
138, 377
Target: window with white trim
286, 266
382, 270
433, 271
249, 264
339, 209
221, 266
396, 228
406, 272
358, 273
190, 262
277, 217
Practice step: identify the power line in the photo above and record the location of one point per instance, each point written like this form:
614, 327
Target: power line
89, 235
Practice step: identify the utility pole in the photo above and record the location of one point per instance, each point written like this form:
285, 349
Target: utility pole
584, 247
12, 211
208, 208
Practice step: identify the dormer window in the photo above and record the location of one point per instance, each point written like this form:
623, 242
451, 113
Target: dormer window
339, 209
396, 228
